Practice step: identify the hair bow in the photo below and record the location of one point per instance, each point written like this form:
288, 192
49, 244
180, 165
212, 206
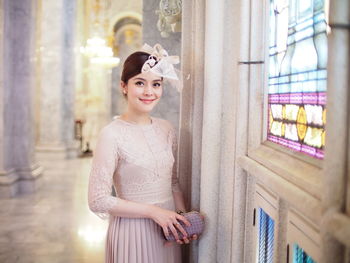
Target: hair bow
159, 62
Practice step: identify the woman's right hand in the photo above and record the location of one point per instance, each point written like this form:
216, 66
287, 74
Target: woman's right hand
168, 219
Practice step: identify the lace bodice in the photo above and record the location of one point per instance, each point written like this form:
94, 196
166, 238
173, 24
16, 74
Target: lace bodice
138, 160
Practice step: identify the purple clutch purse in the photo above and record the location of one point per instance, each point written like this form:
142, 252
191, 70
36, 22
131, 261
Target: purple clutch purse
196, 228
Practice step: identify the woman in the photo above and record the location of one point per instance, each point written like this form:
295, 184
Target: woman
136, 153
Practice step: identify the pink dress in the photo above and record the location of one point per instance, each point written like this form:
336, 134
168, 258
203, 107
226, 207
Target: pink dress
138, 160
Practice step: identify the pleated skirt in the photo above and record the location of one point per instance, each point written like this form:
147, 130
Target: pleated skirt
138, 240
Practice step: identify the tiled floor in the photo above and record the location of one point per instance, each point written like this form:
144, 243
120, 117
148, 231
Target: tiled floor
54, 225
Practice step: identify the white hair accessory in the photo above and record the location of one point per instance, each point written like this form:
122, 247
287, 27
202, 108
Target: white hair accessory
161, 64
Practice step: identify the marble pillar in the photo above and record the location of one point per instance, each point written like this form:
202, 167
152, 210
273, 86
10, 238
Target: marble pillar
2, 108
338, 99
209, 126
169, 106
56, 113
241, 179
191, 111
211, 137
19, 172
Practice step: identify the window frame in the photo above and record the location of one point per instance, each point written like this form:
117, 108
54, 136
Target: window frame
259, 149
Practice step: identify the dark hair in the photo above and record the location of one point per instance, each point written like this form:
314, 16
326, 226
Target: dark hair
133, 65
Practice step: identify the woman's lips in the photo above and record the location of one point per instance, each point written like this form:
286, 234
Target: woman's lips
147, 101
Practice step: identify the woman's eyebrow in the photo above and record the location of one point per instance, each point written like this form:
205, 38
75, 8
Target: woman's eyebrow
145, 79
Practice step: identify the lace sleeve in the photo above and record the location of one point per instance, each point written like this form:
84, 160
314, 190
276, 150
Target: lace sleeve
174, 179
104, 163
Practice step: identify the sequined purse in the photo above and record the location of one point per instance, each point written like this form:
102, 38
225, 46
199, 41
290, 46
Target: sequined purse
196, 227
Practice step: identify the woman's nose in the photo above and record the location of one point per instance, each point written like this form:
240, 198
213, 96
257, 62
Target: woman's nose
148, 89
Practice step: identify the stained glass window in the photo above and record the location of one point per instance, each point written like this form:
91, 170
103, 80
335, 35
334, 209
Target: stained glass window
266, 237
297, 75
300, 256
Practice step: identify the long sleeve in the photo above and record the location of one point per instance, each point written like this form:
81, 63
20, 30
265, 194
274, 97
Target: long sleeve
104, 163
174, 179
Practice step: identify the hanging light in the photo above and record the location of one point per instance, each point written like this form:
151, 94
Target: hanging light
96, 48
109, 62
99, 53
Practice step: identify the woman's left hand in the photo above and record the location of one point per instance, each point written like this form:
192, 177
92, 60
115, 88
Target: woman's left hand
183, 241
187, 240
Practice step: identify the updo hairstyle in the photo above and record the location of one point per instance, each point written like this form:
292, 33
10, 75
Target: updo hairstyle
133, 65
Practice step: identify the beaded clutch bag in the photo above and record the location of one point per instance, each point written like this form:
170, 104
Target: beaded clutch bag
196, 227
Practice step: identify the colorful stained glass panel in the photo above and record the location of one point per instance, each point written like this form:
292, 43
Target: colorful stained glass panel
300, 256
266, 237
297, 75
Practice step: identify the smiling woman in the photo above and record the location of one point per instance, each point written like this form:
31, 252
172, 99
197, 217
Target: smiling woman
146, 88
136, 153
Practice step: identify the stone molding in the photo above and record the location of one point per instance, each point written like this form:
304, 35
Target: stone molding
20, 181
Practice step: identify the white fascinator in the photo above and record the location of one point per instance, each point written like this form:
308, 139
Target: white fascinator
160, 63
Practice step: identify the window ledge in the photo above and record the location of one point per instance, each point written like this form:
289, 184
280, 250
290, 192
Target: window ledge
294, 195
301, 173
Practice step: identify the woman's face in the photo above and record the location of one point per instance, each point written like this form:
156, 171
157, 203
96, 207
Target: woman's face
143, 91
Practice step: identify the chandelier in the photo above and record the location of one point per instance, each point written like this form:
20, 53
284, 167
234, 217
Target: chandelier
99, 53
97, 49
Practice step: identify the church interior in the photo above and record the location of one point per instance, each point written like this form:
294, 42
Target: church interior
262, 121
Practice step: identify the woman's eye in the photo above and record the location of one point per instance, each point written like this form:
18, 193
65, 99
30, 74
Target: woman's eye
156, 85
139, 83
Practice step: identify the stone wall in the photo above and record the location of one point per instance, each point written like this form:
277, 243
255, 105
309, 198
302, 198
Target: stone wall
231, 169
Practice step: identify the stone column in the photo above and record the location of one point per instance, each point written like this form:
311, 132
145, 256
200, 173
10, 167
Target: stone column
335, 165
56, 116
190, 136
2, 100
211, 137
18, 170
169, 106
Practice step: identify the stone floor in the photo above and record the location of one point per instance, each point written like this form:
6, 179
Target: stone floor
54, 225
